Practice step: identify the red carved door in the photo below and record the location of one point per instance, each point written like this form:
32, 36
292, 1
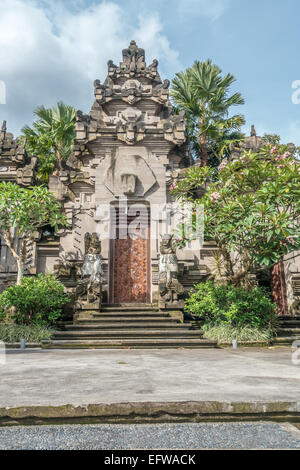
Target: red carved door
130, 260
278, 286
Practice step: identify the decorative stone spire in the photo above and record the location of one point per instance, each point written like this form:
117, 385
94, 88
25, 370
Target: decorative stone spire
146, 111
15, 165
253, 131
252, 142
3, 132
133, 66
133, 54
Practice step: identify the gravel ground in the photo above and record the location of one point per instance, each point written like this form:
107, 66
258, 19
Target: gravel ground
259, 435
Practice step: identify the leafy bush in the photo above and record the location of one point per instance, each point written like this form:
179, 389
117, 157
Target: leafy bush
230, 305
37, 300
11, 333
226, 333
250, 207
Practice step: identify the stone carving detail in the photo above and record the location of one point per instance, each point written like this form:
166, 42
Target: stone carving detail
295, 307
15, 165
169, 286
128, 184
133, 64
134, 83
89, 286
130, 175
252, 142
161, 92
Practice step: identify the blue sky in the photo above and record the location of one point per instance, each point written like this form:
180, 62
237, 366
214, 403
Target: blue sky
53, 50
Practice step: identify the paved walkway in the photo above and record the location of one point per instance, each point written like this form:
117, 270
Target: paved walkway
78, 377
163, 436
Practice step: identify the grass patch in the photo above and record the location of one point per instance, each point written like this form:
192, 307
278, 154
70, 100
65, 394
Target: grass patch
11, 333
226, 333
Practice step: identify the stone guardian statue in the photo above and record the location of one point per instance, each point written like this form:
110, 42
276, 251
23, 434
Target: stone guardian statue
169, 286
89, 287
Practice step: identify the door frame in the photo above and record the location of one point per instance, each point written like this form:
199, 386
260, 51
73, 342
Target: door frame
111, 295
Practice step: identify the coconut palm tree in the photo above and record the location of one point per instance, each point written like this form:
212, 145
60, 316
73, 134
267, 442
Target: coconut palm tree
203, 93
51, 137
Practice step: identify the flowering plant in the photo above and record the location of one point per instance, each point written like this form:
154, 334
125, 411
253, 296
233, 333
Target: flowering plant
251, 207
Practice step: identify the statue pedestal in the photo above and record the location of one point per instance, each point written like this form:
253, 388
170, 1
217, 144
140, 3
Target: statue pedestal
85, 310
85, 314
87, 306
163, 305
175, 312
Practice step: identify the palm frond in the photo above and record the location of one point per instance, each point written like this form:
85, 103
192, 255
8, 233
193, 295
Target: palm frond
51, 136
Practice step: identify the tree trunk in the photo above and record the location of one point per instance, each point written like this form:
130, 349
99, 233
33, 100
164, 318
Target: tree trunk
204, 153
203, 137
20, 260
239, 276
59, 160
20, 273
229, 271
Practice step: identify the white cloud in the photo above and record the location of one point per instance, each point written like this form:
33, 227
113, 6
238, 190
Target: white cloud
150, 28
211, 9
292, 133
50, 52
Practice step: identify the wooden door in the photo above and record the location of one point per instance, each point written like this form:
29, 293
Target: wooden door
130, 262
278, 286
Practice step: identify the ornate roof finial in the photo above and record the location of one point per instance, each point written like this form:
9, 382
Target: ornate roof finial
253, 131
133, 54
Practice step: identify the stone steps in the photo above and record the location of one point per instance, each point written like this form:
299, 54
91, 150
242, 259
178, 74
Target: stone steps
290, 324
153, 343
289, 317
285, 340
129, 327
288, 331
142, 321
130, 319
128, 307
125, 326
129, 324
119, 334
137, 314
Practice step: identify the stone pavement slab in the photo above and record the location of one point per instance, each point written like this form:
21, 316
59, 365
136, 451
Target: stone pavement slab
43, 378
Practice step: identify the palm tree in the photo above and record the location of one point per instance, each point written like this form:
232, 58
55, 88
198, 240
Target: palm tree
51, 137
203, 93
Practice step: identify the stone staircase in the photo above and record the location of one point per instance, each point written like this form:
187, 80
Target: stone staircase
288, 331
119, 327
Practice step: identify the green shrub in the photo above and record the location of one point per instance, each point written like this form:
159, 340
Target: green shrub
11, 333
226, 333
38, 300
226, 304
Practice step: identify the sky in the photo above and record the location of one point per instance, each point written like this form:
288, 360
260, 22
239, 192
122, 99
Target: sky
52, 50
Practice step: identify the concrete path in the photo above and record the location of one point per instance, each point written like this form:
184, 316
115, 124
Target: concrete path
162, 436
55, 377
85, 377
